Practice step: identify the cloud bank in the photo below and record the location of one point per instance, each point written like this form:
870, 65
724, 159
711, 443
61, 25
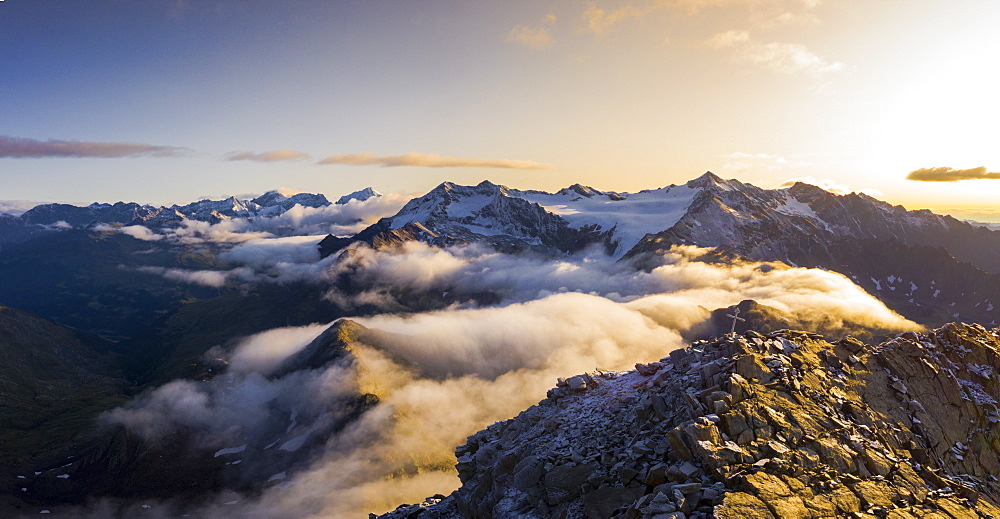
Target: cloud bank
277, 249
945, 174
441, 375
16, 207
391, 277
344, 219
402, 447
429, 161
17, 147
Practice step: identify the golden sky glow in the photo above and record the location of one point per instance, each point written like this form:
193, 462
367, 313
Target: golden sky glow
225, 97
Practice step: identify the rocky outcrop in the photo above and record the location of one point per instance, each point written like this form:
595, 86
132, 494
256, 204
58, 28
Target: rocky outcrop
764, 319
782, 425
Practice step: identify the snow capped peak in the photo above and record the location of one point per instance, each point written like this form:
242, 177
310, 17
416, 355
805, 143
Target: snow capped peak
231, 206
707, 180
307, 200
484, 188
270, 198
236, 204
581, 190
360, 196
449, 200
802, 190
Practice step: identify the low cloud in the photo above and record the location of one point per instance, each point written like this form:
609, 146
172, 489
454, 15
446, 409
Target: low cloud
439, 376
16, 207
338, 219
533, 37
786, 58
944, 174
268, 156
17, 147
261, 253
391, 277
429, 161
474, 363
236, 230
278, 249
192, 232
141, 233
208, 278
58, 225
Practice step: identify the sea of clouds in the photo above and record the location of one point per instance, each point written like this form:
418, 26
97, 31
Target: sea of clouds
443, 374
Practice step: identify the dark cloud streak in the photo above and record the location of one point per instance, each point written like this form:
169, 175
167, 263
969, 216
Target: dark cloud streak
19, 148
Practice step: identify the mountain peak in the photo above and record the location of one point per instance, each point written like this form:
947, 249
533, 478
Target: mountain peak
489, 187
272, 197
360, 196
708, 179
581, 190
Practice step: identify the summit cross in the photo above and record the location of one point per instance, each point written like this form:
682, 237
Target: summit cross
735, 317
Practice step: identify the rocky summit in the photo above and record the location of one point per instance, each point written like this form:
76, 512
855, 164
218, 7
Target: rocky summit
784, 425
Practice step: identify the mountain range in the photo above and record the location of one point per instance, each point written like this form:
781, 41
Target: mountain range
926, 266
227, 350
53, 217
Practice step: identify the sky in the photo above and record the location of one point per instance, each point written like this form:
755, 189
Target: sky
169, 101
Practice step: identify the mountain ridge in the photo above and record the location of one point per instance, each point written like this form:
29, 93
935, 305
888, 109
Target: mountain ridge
801, 225
53, 217
751, 425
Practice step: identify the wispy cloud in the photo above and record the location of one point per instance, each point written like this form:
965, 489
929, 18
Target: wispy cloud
18, 147
786, 58
740, 162
945, 174
600, 21
534, 37
781, 18
748, 15
268, 156
766, 14
429, 160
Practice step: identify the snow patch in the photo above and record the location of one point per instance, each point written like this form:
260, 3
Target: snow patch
295, 443
231, 450
631, 215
